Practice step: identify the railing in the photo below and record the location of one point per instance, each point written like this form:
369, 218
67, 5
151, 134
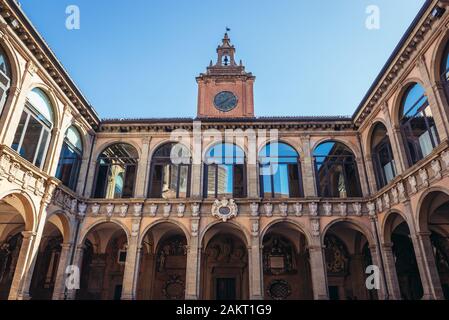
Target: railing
400, 189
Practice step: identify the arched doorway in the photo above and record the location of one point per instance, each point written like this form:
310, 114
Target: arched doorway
103, 263
434, 218
398, 237
163, 264
47, 262
347, 256
286, 264
224, 264
15, 218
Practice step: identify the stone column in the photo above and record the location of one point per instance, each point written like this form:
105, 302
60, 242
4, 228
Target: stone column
15, 293
64, 258
428, 272
143, 169
362, 177
308, 170
371, 173
193, 263
377, 259
255, 267
195, 181
78, 262
131, 265
319, 273
400, 158
390, 272
382, 292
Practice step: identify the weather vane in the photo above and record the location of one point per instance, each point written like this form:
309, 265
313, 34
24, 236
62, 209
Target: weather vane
228, 29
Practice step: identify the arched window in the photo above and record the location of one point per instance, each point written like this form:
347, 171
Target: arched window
280, 174
417, 124
116, 172
34, 131
170, 172
5, 78
445, 65
224, 172
70, 158
336, 171
382, 154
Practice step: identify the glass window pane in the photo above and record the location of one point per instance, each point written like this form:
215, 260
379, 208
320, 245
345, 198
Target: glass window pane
115, 181
265, 176
68, 166
211, 173
128, 185
19, 131
101, 181
42, 148
74, 138
425, 143
294, 181
39, 100
280, 180
169, 181
183, 181
238, 181
30, 141
225, 180
156, 181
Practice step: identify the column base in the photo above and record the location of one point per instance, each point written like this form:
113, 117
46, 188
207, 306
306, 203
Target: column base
127, 297
24, 296
191, 297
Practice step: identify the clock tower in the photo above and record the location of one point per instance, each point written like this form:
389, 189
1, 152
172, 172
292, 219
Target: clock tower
226, 89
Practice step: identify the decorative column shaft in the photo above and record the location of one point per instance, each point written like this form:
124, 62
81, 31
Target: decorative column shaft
319, 273
131, 265
193, 264
15, 293
390, 272
428, 272
77, 262
59, 288
255, 269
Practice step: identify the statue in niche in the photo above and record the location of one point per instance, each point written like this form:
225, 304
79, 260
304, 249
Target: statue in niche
172, 247
336, 255
278, 256
225, 250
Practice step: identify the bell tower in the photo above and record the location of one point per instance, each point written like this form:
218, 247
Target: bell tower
226, 89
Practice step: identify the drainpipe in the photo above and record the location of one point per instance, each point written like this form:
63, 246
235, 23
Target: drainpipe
78, 225
387, 293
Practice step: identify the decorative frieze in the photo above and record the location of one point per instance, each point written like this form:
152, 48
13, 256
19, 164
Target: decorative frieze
268, 209
298, 209
283, 209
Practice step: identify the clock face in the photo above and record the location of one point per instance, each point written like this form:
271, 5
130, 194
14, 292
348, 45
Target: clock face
225, 101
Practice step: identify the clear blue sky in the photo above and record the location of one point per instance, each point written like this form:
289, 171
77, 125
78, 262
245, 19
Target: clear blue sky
139, 58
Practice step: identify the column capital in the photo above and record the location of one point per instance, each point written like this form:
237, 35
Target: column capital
28, 234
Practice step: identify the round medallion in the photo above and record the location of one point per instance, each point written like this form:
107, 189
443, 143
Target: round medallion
225, 101
174, 288
279, 290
